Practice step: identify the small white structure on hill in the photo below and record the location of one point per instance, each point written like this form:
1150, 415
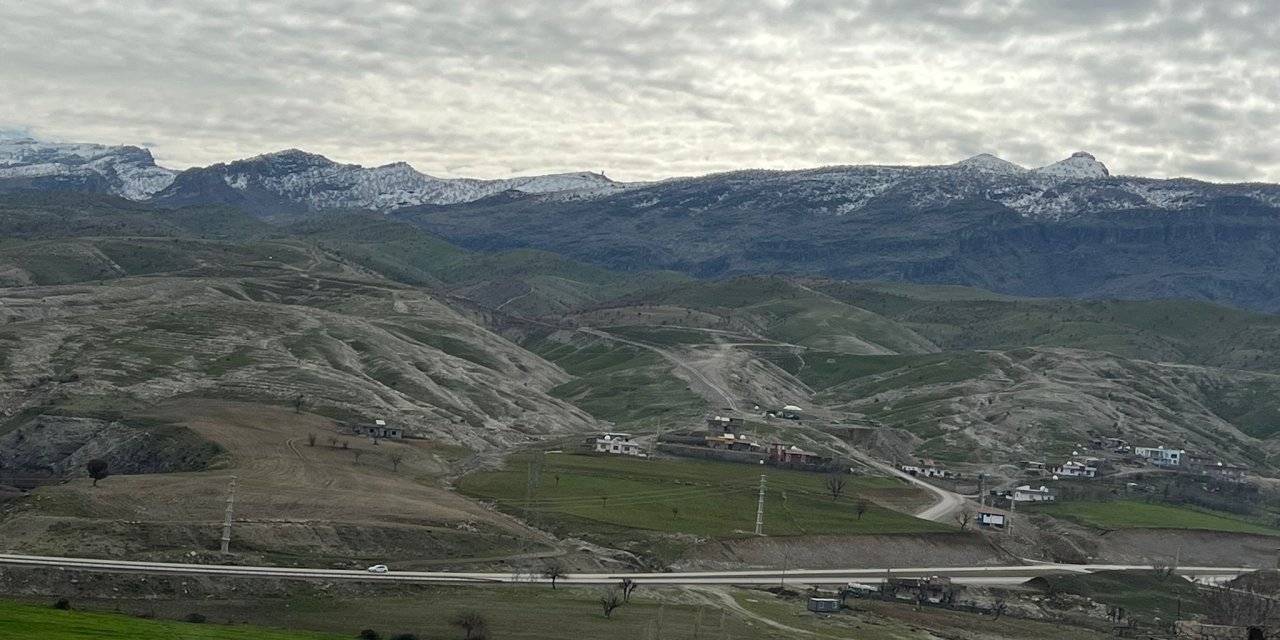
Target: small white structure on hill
1026, 494
1074, 469
1160, 456
618, 443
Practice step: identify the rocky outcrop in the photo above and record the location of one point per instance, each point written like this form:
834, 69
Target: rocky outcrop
59, 446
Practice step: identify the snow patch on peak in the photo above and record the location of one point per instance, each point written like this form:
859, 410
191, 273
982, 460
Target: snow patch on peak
990, 164
128, 171
1080, 166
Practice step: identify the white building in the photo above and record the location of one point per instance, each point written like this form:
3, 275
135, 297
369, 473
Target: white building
1161, 456
1073, 469
1026, 494
619, 443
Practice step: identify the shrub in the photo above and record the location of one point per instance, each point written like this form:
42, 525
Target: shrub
62, 604
193, 618
369, 634
406, 636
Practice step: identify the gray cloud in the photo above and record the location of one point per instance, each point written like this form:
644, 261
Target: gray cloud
646, 90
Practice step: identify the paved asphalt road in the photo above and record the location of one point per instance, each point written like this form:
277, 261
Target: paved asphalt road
971, 575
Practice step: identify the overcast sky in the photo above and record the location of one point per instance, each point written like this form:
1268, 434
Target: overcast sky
650, 89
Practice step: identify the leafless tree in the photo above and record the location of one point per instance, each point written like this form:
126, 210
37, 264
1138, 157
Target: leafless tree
610, 600
963, 519
628, 587
862, 507
999, 607
345, 444
835, 485
311, 439
1240, 607
675, 512
299, 401
355, 455
472, 622
333, 441
395, 459
604, 502
553, 570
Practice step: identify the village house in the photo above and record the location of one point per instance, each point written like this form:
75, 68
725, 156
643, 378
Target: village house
1026, 493
617, 443
739, 442
791, 454
1074, 469
1160, 456
993, 518
1116, 445
378, 430
1216, 469
724, 424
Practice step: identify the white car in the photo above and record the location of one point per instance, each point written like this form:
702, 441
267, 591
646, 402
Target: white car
378, 568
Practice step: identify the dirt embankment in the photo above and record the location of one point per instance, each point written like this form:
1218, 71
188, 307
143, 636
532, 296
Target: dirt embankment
24, 582
1188, 548
826, 551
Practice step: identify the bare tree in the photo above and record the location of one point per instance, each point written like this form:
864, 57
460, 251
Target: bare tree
356, 453
610, 600
395, 459
298, 402
345, 444
553, 570
97, 470
472, 622
604, 502
835, 485
999, 607
675, 512
862, 507
963, 519
628, 587
333, 441
311, 439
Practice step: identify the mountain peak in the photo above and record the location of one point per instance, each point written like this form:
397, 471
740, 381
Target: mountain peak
1081, 165
991, 164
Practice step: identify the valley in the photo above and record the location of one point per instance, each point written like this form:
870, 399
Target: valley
189, 347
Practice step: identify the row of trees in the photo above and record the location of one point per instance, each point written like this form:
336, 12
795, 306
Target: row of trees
396, 458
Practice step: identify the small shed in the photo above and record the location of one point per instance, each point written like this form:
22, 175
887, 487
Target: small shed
824, 605
992, 517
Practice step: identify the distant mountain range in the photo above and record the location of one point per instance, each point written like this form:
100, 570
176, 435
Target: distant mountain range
1067, 229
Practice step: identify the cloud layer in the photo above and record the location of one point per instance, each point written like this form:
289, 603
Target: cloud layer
644, 90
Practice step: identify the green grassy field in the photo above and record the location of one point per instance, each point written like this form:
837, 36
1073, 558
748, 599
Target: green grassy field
716, 499
1127, 514
46, 623
526, 613
1145, 595
618, 382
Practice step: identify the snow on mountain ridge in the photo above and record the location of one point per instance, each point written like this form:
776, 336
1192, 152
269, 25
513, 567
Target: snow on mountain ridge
130, 172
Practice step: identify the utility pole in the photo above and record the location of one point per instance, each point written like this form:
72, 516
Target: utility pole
760, 508
226, 520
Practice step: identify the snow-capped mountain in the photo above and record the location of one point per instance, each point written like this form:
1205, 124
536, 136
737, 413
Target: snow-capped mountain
293, 180
128, 172
1080, 166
